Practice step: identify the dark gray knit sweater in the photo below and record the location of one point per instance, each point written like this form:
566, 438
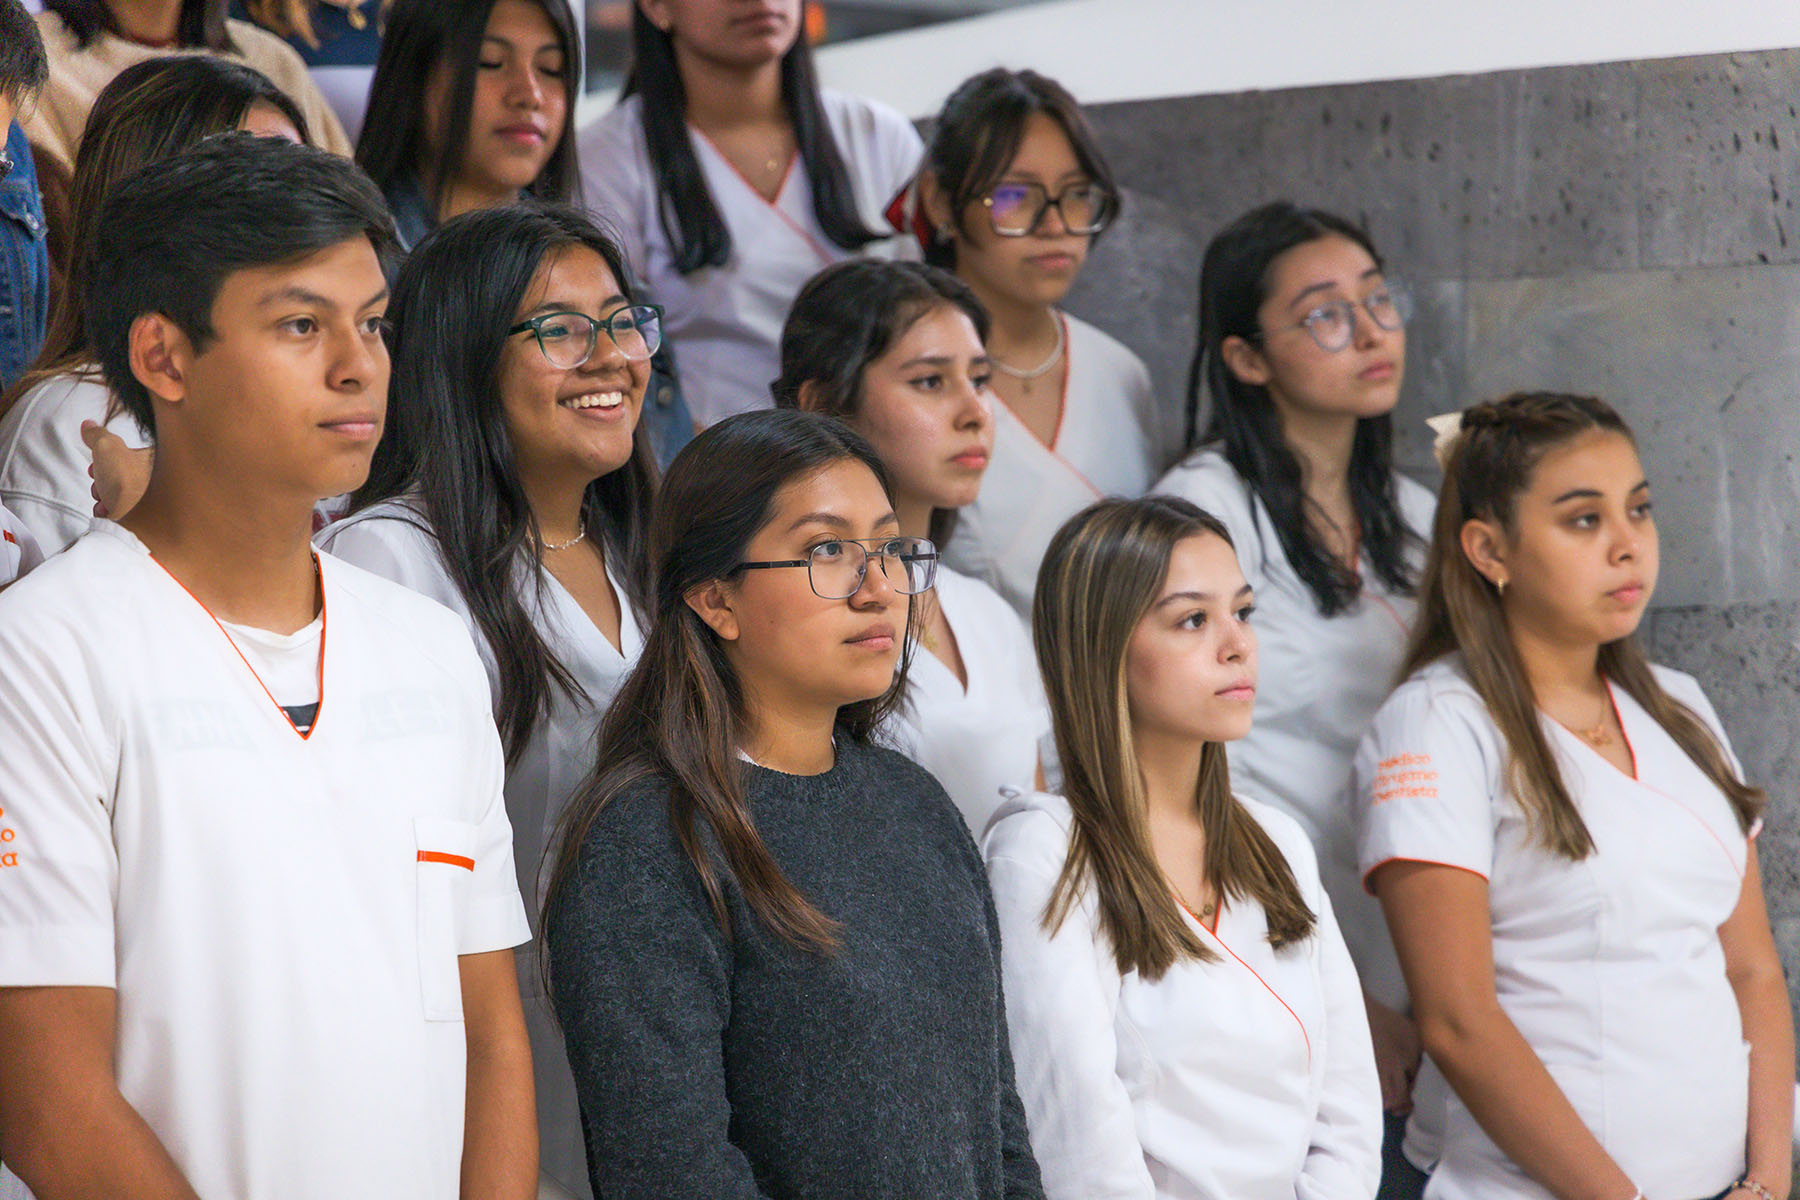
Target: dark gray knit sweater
724, 1069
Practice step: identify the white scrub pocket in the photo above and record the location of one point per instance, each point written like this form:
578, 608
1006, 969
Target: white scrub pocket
446, 870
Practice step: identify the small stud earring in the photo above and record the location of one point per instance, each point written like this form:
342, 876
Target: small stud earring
1500, 586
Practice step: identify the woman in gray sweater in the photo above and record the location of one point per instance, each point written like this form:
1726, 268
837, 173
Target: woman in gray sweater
770, 942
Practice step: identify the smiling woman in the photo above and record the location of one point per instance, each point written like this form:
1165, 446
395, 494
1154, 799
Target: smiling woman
760, 921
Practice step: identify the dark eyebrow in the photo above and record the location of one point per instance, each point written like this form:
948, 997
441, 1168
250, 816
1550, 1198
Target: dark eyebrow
542, 46
836, 522
1198, 597
1328, 284
295, 294
614, 301
1595, 493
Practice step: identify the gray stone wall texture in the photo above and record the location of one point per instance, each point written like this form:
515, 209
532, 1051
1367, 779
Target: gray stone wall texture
1627, 230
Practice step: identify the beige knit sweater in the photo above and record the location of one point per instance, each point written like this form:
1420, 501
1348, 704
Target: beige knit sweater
77, 76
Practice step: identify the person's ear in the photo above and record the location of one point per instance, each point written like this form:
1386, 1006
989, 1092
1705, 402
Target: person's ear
657, 11
1245, 362
160, 355
1484, 546
934, 202
711, 602
811, 397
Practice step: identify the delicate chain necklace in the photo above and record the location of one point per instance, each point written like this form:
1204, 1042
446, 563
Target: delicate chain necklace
580, 535
1027, 376
1599, 735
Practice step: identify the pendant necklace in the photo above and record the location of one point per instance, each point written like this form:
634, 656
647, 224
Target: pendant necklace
1026, 377
1599, 735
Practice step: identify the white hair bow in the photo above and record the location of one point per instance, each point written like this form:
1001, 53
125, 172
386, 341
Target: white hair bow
1447, 427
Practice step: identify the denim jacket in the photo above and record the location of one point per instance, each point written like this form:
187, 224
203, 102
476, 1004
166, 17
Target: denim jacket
24, 262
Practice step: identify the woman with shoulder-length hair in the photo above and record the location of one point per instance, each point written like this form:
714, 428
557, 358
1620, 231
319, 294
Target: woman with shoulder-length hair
770, 940
513, 485
152, 111
895, 350
1186, 1020
472, 106
733, 177
1298, 362
1565, 847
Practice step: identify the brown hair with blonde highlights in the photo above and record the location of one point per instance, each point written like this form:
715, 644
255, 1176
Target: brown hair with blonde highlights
1491, 463
1101, 575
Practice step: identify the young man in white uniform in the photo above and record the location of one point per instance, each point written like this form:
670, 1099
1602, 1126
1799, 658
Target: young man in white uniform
258, 902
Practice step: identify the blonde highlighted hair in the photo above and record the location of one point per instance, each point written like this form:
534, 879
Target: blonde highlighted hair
1101, 575
1490, 464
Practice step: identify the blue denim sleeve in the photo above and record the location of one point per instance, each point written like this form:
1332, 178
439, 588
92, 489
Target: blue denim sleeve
24, 261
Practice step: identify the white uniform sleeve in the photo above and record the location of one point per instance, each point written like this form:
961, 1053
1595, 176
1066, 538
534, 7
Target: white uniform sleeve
59, 868
1344, 1160
1686, 689
495, 918
1062, 996
1425, 777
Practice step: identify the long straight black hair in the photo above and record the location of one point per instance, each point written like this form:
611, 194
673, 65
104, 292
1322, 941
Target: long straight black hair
419, 36
447, 445
1234, 280
201, 25
690, 218
681, 714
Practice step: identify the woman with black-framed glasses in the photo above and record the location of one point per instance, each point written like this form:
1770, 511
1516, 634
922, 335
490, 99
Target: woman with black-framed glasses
771, 941
1302, 349
1013, 192
513, 485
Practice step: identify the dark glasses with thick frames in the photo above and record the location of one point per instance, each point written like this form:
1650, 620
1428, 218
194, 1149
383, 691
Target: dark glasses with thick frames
567, 338
1016, 209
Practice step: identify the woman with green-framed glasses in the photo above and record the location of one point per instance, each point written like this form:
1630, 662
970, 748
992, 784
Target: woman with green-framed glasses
513, 485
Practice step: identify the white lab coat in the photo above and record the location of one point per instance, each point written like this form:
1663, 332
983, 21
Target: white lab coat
394, 541
1320, 680
43, 461
1248, 1078
1611, 968
282, 916
987, 737
1109, 442
724, 323
19, 550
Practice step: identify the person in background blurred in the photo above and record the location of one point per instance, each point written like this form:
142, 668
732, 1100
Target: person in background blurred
24, 263
338, 40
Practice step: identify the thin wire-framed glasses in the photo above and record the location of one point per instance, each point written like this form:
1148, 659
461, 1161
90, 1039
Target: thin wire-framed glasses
568, 338
1333, 325
1015, 209
836, 569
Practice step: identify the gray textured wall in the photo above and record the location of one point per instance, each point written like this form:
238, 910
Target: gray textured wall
1626, 229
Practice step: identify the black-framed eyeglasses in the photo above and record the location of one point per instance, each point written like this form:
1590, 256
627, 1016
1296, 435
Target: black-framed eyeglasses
836, 569
1015, 209
568, 338
1333, 325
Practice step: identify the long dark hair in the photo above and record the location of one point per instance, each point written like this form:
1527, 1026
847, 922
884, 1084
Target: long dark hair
1490, 464
446, 441
690, 219
150, 112
201, 25
680, 716
977, 136
1234, 278
849, 315
421, 35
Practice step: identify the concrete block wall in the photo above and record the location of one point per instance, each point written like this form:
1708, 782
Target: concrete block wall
1627, 229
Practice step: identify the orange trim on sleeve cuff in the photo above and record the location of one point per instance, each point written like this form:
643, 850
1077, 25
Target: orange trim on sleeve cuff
1430, 862
454, 860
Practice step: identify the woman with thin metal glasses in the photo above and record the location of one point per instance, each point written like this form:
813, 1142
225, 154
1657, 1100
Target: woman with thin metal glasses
1012, 195
771, 941
1302, 348
513, 485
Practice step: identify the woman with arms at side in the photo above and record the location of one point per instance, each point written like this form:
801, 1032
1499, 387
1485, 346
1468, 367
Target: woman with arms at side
1301, 352
894, 349
1013, 193
770, 940
151, 112
1565, 848
1186, 1020
733, 177
512, 485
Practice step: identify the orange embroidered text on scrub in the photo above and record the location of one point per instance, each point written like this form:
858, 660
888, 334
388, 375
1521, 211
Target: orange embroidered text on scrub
9, 858
1405, 777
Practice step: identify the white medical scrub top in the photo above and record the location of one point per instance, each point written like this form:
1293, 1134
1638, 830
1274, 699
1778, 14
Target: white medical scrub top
281, 916
1611, 967
43, 461
393, 540
1320, 680
1110, 441
724, 323
19, 551
1247, 1078
980, 739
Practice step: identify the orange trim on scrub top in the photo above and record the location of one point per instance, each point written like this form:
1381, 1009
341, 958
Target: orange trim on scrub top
1304, 1036
452, 860
319, 713
773, 205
